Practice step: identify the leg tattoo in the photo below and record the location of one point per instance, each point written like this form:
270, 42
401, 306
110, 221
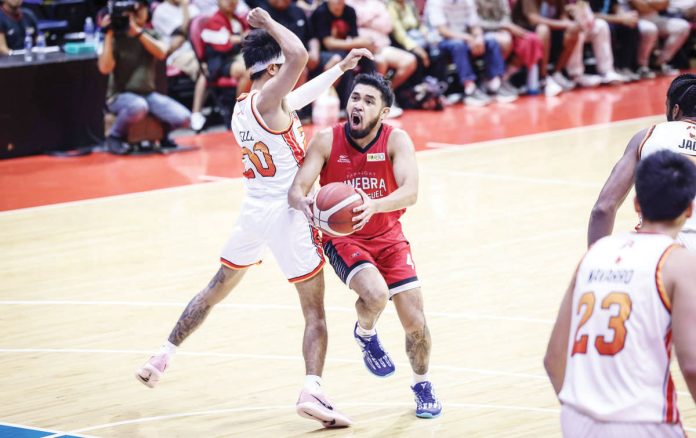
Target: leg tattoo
195, 312
418, 349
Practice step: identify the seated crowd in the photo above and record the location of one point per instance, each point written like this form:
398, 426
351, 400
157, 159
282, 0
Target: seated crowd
476, 51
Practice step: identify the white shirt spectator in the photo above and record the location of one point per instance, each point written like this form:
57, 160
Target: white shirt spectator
209, 7
166, 19
457, 15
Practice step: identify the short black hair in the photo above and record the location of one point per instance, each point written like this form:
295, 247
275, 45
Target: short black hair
682, 91
665, 185
377, 81
259, 46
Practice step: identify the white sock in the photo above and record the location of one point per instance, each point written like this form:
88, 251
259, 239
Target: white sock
419, 378
168, 348
469, 88
362, 332
312, 384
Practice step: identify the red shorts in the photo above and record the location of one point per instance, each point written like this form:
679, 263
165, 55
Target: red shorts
390, 253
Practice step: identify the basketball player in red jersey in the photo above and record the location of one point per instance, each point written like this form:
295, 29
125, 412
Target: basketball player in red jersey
375, 261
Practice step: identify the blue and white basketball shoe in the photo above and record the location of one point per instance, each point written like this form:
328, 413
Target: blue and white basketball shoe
427, 404
376, 359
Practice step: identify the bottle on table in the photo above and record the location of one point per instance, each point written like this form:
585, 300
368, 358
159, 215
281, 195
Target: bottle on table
89, 30
28, 45
40, 46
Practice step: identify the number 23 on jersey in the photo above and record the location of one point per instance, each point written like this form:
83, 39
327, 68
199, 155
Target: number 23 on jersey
617, 323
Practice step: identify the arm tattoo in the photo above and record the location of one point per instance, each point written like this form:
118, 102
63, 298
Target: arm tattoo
418, 349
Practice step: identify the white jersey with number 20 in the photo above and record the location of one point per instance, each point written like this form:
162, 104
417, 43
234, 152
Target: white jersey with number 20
271, 158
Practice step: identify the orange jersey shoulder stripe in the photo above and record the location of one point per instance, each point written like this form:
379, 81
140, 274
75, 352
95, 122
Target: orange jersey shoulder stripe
658, 278
642, 143
261, 123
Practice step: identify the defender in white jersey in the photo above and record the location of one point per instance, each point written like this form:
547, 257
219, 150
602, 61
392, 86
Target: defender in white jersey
632, 297
678, 134
266, 127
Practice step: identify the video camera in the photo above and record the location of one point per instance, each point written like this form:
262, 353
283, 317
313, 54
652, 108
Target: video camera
119, 11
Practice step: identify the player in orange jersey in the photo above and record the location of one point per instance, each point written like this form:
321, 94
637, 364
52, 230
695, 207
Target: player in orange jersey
269, 132
632, 296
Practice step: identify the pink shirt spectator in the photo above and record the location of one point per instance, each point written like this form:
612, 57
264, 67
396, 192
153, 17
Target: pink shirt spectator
374, 21
457, 15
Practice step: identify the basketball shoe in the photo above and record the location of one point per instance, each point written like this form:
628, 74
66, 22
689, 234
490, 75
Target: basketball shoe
150, 373
376, 359
318, 407
427, 404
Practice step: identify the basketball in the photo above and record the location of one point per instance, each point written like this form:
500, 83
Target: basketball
333, 208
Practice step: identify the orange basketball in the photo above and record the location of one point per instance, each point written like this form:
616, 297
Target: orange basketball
333, 208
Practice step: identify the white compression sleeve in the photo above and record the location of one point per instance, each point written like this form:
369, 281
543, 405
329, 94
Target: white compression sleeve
308, 92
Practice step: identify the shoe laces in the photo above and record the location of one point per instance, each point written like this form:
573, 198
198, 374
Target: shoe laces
373, 347
424, 394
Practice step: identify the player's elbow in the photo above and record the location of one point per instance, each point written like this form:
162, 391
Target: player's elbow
603, 209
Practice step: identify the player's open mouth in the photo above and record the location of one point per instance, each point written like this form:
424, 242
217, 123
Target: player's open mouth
355, 119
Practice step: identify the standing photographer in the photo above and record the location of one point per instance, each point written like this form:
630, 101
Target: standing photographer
130, 52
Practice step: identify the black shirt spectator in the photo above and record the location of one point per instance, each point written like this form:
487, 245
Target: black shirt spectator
325, 24
291, 17
14, 23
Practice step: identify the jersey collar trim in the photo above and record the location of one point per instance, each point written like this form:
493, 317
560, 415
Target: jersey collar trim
355, 145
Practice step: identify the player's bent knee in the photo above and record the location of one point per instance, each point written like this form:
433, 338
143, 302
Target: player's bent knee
375, 297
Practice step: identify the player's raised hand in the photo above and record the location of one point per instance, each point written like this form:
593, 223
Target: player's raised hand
351, 60
366, 210
259, 18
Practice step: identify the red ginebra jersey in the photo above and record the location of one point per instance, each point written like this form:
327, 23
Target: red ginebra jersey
369, 169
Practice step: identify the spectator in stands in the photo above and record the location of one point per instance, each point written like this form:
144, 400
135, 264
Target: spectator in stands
597, 32
294, 18
15, 23
209, 7
223, 36
625, 35
549, 19
335, 25
171, 20
131, 57
462, 38
409, 33
527, 47
674, 30
375, 24
648, 40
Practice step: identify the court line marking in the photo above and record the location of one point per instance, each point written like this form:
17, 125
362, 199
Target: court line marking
288, 407
149, 304
478, 406
41, 429
439, 146
444, 147
502, 177
484, 372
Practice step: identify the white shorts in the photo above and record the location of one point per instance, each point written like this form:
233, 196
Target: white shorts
272, 223
575, 424
688, 239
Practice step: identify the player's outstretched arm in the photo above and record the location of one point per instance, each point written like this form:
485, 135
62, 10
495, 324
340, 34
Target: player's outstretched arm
557, 350
275, 90
403, 158
318, 153
614, 191
310, 91
679, 276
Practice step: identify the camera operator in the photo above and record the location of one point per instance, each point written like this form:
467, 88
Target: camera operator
130, 54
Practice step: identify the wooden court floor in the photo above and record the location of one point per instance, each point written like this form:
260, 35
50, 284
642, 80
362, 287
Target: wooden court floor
90, 289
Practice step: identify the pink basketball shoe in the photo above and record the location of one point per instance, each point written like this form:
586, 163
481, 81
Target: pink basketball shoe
318, 407
150, 373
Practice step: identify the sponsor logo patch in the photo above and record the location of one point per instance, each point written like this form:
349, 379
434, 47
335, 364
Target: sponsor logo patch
343, 159
375, 157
